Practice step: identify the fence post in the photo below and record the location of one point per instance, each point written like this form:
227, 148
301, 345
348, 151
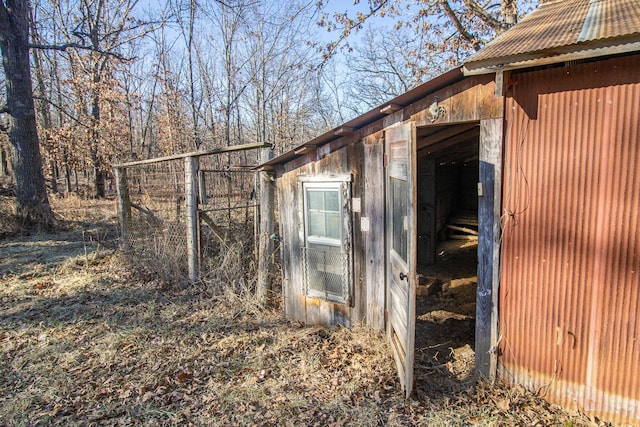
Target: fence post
124, 203
265, 243
191, 207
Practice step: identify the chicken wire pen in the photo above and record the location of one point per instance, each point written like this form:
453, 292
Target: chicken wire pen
183, 210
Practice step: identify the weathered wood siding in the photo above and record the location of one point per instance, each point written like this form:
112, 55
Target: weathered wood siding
367, 252
469, 100
373, 211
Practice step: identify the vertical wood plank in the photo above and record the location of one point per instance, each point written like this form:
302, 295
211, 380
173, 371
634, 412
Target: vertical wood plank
359, 286
202, 188
489, 203
427, 237
287, 198
373, 209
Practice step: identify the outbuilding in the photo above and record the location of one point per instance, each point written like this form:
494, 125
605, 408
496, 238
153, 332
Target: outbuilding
518, 171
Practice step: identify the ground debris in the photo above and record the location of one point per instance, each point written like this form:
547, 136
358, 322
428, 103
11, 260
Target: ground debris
91, 343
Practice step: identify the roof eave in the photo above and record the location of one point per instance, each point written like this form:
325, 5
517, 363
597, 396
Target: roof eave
547, 57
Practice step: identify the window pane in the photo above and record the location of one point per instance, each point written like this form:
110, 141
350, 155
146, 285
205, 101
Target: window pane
316, 224
331, 201
324, 213
315, 200
333, 225
399, 216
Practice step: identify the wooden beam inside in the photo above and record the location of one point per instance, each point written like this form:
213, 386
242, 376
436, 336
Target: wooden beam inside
447, 132
442, 144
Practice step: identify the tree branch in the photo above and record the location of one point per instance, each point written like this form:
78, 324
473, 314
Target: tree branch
490, 20
62, 110
64, 47
350, 25
475, 43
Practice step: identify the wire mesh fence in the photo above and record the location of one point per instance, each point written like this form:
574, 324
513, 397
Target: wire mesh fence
228, 216
157, 227
162, 225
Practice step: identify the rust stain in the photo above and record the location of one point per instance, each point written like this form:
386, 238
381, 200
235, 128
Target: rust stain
570, 285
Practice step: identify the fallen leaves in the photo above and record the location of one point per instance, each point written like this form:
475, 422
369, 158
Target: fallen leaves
101, 347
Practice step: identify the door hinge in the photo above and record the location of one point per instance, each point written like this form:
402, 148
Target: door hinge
385, 160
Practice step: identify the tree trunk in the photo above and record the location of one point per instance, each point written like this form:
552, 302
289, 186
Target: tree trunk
96, 160
509, 10
31, 193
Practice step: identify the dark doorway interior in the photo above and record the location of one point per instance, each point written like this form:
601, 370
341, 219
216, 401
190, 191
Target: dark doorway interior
447, 251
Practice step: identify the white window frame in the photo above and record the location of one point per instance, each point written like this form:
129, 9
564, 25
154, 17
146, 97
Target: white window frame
323, 186
342, 185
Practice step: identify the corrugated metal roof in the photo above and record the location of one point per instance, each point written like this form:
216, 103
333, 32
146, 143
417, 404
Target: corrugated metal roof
563, 30
372, 116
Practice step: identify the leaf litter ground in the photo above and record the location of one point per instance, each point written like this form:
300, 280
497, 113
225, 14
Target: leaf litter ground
85, 339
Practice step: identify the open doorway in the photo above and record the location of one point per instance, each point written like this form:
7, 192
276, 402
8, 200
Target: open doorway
447, 257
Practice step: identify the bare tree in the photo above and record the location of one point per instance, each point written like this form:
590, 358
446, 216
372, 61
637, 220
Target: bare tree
97, 34
385, 63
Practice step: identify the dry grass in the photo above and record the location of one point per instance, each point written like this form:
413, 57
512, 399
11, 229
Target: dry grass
84, 341
9, 223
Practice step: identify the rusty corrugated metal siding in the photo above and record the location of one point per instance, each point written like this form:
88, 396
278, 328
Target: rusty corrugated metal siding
570, 285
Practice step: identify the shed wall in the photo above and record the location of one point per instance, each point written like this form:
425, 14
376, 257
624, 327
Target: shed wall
362, 155
570, 285
368, 253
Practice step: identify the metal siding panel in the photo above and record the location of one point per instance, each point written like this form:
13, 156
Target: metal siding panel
618, 349
569, 295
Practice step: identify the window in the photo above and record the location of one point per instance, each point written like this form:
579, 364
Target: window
326, 253
398, 196
323, 214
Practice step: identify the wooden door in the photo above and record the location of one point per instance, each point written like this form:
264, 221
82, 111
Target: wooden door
400, 249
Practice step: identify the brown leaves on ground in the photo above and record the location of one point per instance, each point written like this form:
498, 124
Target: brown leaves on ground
86, 343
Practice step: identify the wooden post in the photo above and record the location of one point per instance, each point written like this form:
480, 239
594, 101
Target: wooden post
124, 204
489, 203
191, 211
265, 243
256, 215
